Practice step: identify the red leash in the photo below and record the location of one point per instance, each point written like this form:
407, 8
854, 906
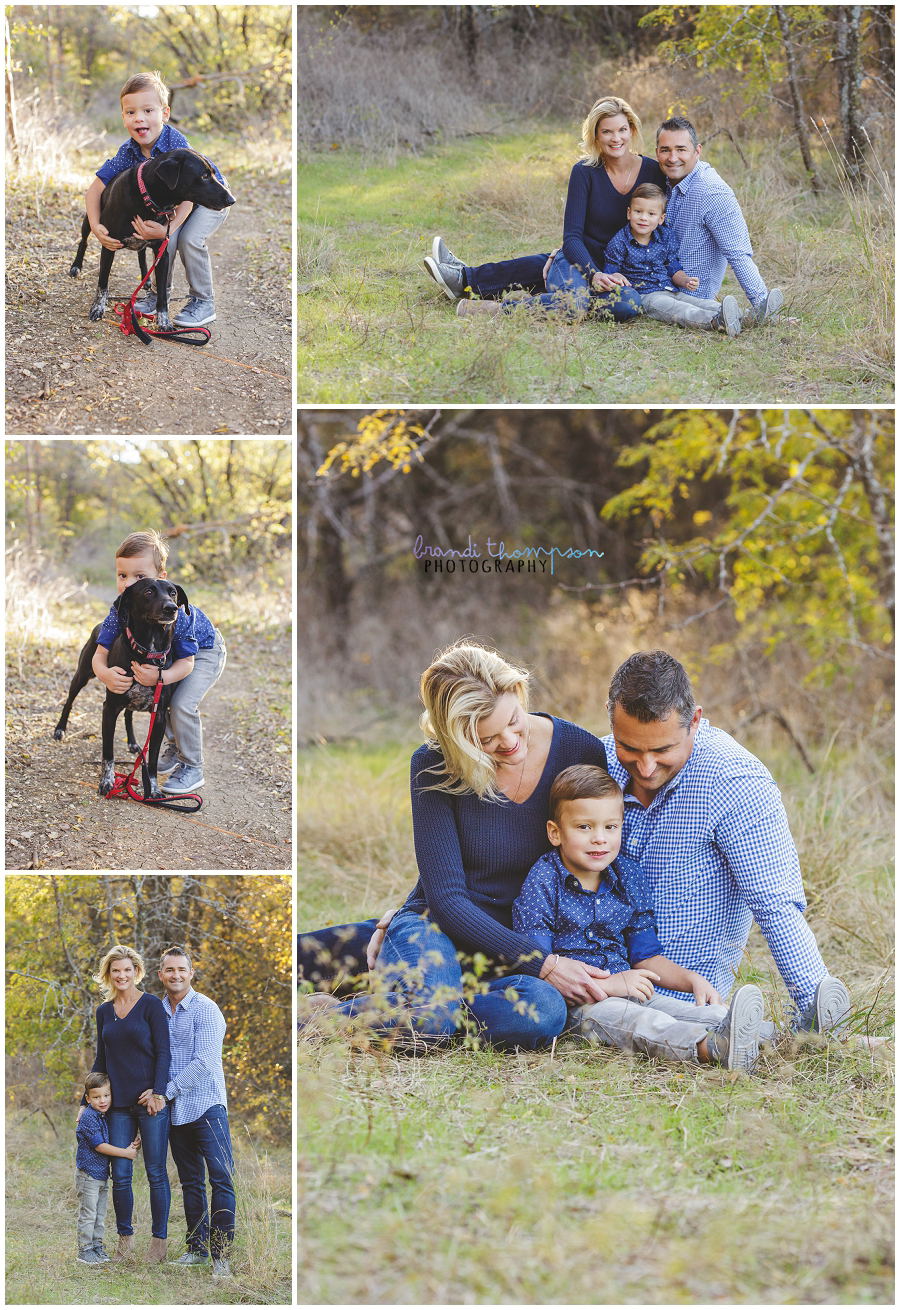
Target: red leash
131, 327
123, 781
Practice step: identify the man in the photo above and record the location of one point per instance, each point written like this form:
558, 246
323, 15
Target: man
704, 214
198, 1129
705, 819
701, 209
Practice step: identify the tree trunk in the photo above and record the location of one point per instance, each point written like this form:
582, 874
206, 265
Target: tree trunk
796, 98
849, 71
879, 501
470, 39
882, 19
11, 131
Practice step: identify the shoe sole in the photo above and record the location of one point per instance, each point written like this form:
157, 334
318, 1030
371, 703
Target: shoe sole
744, 1018
435, 272
183, 791
832, 1005
731, 316
773, 302
194, 323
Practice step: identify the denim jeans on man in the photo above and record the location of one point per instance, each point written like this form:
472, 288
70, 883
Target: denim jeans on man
92, 1196
418, 965
206, 1140
124, 1126
569, 294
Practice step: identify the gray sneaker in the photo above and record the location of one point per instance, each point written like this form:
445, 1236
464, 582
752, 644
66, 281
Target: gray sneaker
89, 1257
221, 1268
441, 254
99, 1251
769, 306
728, 318
449, 277
190, 1260
147, 303
734, 1043
168, 760
196, 313
830, 1008
187, 777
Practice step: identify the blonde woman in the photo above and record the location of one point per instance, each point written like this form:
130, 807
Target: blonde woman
600, 186
480, 795
133, 1051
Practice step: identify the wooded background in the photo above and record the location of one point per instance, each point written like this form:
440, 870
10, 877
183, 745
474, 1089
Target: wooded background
237, 930
755, 543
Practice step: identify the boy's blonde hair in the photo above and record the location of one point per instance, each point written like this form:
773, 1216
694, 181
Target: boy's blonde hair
608, 107
117, 953
145, 543
459, 689
146, 82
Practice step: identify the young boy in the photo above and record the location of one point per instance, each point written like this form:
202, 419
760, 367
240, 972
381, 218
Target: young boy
585, 901
92, 1168
199, 658
145, 111
645, 256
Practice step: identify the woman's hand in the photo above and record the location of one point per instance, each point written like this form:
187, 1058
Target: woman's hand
149, 1100
377, 938
609, 281
553, 254
633, 982
577, 983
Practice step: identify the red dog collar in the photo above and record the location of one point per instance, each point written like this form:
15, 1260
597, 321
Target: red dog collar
145, 195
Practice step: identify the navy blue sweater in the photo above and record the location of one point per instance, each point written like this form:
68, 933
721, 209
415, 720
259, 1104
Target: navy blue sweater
473, 854
595, 211
133, 1051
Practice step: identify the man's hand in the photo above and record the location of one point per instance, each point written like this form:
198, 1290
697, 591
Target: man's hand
608, 281
104, 238
632, 982
704, 992
149, 230
577, 983
115, 679
377, 938
148, 675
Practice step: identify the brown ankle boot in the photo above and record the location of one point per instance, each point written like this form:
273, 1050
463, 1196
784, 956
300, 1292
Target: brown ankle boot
125, 1248
156, 1251
477, 308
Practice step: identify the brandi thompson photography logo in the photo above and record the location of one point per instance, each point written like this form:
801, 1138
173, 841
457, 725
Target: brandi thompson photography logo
495, 557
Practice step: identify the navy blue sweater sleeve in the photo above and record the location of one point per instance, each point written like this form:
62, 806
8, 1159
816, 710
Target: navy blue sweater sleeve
443, 880
578, 199
159, 1028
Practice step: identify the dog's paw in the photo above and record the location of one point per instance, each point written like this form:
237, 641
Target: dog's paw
163, 322
155, 793
107, 777
75, 270
133, 747
97, 310
58, 734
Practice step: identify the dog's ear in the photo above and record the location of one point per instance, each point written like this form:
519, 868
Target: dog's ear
169, 172
122, 606
181, 596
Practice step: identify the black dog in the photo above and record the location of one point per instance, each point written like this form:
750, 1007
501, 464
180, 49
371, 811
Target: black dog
165, 181
147, 612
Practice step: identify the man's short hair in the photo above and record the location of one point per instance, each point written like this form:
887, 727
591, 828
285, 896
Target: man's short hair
175, 950
145, 543
678, 124
581, 782
146, 82
649, 686
648, 191
95, 1080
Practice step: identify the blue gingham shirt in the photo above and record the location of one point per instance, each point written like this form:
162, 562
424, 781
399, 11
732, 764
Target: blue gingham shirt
648, 268
193, 632
611, 928
704, 213
196, 1077
716, 847
129, 154
91, 1131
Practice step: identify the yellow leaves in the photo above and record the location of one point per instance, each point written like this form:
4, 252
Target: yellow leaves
385, 434
702, 516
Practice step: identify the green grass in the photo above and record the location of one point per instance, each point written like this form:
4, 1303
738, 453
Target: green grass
474, 1177
374, 328
41, 1213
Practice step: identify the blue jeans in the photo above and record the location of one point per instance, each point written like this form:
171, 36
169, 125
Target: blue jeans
418, 965
569, 294
206, 1140
492, 281
124, 1125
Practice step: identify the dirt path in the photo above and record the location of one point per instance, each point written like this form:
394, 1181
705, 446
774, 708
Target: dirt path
56, 820
66, 375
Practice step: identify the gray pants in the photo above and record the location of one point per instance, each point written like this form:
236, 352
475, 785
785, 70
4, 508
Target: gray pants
183, 722
679, 307
91, 1193
189, 241
662, 1027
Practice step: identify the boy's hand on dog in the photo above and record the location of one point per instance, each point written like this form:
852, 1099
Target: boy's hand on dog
116, 680
105, 239
148, 230
147, 675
